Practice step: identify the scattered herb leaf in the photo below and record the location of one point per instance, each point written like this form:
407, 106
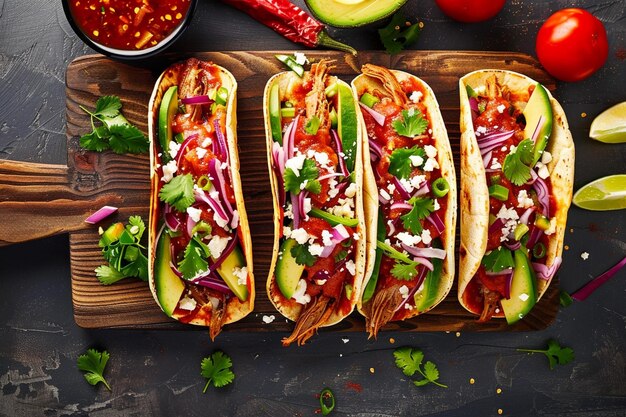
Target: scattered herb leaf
93, 363
308, 173
498, 260
195, 259
216, 369
399, 162
411, 124
555, 353
516, 164
405, 268
302, 255
399, 33
178, 193
115, 132
422, 207
409, 360
122, 249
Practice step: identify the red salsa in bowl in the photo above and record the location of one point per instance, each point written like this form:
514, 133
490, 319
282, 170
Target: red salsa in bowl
128, 28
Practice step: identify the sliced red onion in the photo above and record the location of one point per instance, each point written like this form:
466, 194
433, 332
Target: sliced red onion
526, 215
215, 169
487, 158
404, 193
215, 205
295, 209
170, 219
512, 244
331, 175
290, 137
214, 283
417, 258
535, 235
203, 99
423, 190
543, 195
490, 142
338, 145
301, 197
401, 206
378, 118
190, 225
540, 124
376, 151
235, 220
183, 146
278, 155
221, 142
429, 252
547, 272
508, 284
392, 229
473, 103
382, 199
327, 250
435, 219
340, 233
101, 214
597, 282
496, 227
421, 275
533, 177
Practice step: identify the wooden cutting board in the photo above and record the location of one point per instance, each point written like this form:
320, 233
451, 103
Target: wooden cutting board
43, 200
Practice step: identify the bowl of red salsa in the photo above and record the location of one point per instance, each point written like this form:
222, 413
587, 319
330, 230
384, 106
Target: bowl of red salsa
129, 29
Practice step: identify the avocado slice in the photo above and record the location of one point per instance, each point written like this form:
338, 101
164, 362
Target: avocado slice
275, 118
425, 297
381, 234
234, 260
288, 271
352, 13
169, 287
347, 123
523, 291
538, 108
167, 111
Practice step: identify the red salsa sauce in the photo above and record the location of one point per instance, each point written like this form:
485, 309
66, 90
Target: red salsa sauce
128, 24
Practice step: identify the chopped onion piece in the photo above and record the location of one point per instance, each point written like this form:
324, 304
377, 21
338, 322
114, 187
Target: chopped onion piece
547, 272
101, 214
435, 219
339, 146
203, 99
378, 118
597, 282
401, 206
426, 252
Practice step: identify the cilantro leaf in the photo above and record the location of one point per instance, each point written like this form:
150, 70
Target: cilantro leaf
422, 207
555, 353
400, 163
178, 193
399, 33
138, 267
409, 360
308, 172
516, 164
122, 249
216, 369
107, 275
115, 132
93, 363
313, 186
302, 255
411, 125
404, 271
498, 260
194, 259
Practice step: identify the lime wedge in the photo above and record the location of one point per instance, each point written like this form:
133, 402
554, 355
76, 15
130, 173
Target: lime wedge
610, 125
607, 193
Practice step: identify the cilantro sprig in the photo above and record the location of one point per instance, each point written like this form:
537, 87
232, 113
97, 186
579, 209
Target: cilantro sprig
422, 207
555, 353
399, 33
302, 255
178, 193
308, 176
93, 363
405, 268
498, 260
122, 249
114, 132
194, 259
516, 166
400, 164
216, 369
409, 360
411, 125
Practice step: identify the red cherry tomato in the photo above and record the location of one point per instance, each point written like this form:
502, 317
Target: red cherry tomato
470, 11
572, 44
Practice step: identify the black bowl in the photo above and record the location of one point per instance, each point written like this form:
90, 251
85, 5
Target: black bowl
130, 55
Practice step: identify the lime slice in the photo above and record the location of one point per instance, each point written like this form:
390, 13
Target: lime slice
610, 125
607, 193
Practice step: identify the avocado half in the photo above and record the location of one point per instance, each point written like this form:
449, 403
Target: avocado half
352, 13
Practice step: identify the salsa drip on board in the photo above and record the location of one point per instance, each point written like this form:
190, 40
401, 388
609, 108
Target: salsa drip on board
522, 207
313, 161
128, 24
412, 200
202, 236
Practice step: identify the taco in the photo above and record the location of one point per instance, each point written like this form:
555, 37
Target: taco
200, 251
410, 197
314, 159
517, 173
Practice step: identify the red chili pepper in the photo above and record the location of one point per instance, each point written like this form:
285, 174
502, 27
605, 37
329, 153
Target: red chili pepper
290, 21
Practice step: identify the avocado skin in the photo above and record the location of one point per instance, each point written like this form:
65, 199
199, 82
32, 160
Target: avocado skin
288, 271
342, 15
523, 283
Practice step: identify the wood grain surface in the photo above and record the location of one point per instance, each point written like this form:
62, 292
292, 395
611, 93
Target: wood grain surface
122, 180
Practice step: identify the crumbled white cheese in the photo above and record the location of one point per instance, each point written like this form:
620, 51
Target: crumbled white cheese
543, 172
223, 223
320, 281
408, 239
417, 181
345, 340
241, 274
187, 303
295, 164
351, 267
495, 164
408, 306
404, 291
431, 151
512, 149
501, 108
303, 184
300, 235
300, 295
436, 205
546, 157
194, 213
321, 158
286, 231
391, 188
510, 216
416, 160
300, 58
344, 208
306, 205
384, 194
431, 164
480, 130
332, 188
584, 255
523, 200
406, 184
217, 244
268, 319
415, 96
351, 190
169, 170
552, 227
315, 249
504, 148
288, 211
173, 148
206, 143
356, 237
426, 237
523, 296
327, 238
200, 152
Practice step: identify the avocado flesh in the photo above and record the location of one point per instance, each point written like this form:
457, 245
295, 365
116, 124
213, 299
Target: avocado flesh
167, 111
234, 260
538, 107
288, 271
347, 123
523, 285
169, 287
425, 297
275, 118
342, 13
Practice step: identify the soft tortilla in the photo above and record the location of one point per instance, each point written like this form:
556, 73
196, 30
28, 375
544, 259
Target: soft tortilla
474, 192
235, 309
360, 85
